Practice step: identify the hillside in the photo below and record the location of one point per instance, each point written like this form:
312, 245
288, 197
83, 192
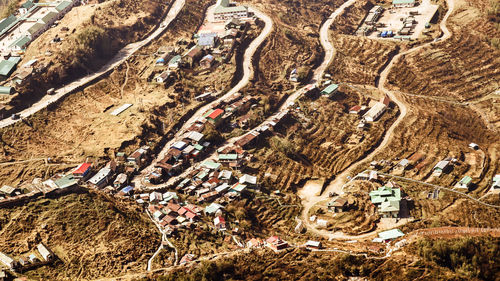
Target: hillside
91, 35
89, 233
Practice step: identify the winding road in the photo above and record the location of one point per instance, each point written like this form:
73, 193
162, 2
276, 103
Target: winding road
339, 181
247, 76
122, 55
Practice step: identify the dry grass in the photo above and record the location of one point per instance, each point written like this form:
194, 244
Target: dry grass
90, 234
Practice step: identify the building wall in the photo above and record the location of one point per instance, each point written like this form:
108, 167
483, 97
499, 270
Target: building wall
403, 5
227, 16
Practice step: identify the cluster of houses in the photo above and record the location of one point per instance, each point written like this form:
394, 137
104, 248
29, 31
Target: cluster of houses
167, 211
18, 30
209, 185
30, 261
368, 115
371, 115
386, 198
409, 24
210, 48
59, 183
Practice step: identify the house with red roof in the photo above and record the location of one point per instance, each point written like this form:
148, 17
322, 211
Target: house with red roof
215, 116
220, 223
82, 171
174, 207
182, 211
276, 244
191, 216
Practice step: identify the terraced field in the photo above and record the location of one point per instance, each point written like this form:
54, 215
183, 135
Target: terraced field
293, 43
318, 137
360, 60
352, 17
462, 68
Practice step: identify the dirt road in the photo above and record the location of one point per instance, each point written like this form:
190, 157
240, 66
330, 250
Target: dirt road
118, 59
247, 75
336, 185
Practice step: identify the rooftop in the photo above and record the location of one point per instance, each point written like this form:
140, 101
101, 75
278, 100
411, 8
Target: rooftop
330, 89
391, 234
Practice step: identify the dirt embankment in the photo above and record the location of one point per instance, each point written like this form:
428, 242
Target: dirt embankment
91, 235
94, 34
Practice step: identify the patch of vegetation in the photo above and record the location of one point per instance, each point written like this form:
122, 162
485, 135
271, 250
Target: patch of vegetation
469, 257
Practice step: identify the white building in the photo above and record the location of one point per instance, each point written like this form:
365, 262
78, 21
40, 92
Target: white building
226, 11
45, 252
375, 112
6, 260
101, 178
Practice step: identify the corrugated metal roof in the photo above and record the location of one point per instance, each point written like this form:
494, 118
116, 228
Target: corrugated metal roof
7, 21
330, 89
35, 28
63, 5
20, 42
7, 67
49, 17
391, 234
121, 109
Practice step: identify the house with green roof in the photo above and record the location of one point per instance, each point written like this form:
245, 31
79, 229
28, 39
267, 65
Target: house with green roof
6, 68
464, 183
20, 44
7, 22
389, 235
27, 5
387, 200
36, 29
211, 165
64, 6
213, 208
4, 90
403, 3
226, 11
66, 181
50, 18
175, 62
330, 90
230, 157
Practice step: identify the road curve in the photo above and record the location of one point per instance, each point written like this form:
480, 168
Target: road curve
247, 75
122, 55
325, 40
341, 178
